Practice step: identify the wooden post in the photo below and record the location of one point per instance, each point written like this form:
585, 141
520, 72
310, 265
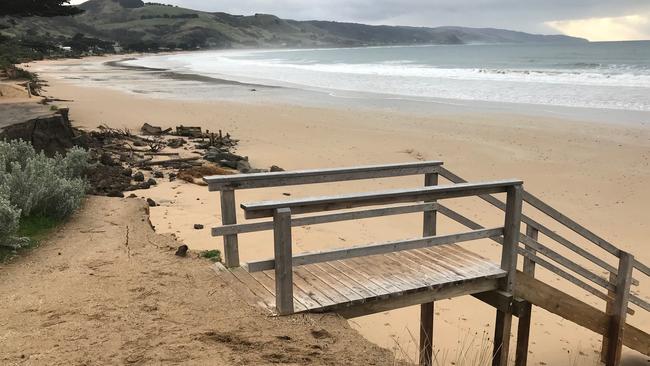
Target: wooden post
619, 309
512, 229
426, 310
283, 261
523, 327
609, 308
229, 217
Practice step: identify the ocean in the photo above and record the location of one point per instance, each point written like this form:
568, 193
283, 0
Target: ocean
602, 75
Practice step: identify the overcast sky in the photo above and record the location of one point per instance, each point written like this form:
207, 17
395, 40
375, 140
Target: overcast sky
593, 19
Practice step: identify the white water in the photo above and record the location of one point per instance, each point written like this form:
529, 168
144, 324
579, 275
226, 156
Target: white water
545, 75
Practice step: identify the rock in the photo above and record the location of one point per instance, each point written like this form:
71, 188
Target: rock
133, 195
176, 143
172, 177
228, 164
276, 168
320, 333
198, 227
151, 202
127, 172
115, 194
152, 182
182, 251
148, 129
53, 134
217, 156
243, 166
105, 180
144, 185
158, 174
138, 177
107, 159
139, 143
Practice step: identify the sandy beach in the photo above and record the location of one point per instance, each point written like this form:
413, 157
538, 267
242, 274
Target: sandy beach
593, 171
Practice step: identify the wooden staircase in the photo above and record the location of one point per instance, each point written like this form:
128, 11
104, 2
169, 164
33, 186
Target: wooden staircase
361, 280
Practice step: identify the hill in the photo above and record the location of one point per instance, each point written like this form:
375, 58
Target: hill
139, 26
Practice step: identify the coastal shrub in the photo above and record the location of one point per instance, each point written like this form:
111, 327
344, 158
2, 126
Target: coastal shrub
9, 220
34, 185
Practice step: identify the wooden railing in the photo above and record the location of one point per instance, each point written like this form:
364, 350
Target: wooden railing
615, 289
228, 184
282, 212
617, 293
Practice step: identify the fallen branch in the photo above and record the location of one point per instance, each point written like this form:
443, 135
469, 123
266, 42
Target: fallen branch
170, 161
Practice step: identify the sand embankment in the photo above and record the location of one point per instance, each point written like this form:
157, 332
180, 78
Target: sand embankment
106, 289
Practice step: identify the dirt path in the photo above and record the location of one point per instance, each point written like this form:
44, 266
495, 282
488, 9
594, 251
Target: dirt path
106, 289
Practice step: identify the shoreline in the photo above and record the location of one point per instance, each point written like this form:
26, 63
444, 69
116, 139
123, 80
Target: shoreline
166, 73
198, 89
554, 156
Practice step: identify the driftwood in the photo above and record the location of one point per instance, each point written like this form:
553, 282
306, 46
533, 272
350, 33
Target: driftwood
170, 161
161, 153
189, 131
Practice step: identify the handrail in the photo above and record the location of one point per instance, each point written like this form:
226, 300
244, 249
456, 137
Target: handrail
284, 260
278, 179
528, 198
227, 185
566, 221
569, 223
378, 248
323, 219
536, 246
329, 203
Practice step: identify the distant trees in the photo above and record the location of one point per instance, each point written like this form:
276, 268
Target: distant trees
40, 8
80, 43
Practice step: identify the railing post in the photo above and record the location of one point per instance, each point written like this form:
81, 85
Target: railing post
426, 310
523, 327
619, 309
609, 309
283, 261
229, 217
512, 229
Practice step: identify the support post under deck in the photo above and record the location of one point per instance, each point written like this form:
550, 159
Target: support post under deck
427, 309
512, 229
523, 327
619, 309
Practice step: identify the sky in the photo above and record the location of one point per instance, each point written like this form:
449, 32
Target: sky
596, 20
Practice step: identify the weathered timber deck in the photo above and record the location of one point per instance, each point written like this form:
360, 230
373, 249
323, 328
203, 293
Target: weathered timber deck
374, 283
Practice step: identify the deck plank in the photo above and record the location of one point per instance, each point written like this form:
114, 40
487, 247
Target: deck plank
372, 270
347, 284
346, 290
349, 281
329, 294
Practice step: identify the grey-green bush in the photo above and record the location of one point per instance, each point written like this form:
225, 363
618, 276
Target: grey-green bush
9, 219
31, 184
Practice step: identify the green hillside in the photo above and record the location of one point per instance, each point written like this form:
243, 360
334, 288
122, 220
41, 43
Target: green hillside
132, 25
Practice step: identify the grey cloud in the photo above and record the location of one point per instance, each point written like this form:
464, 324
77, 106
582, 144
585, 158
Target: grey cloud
526, 15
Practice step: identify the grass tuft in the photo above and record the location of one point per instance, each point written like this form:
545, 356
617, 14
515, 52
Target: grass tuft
213, 255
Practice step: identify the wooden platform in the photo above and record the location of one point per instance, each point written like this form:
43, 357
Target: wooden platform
374, 283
